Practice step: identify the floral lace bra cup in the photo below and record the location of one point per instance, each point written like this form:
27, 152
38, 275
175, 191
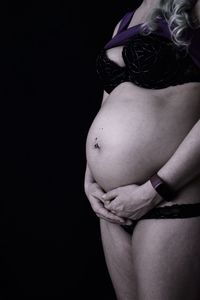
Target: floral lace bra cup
152, 61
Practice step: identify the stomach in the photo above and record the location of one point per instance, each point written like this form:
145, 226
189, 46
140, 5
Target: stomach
137, 130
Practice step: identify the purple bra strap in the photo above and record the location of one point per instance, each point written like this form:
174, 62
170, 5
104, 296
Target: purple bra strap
125, 21
122, 37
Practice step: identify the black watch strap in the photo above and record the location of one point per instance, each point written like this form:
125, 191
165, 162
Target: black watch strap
162, 188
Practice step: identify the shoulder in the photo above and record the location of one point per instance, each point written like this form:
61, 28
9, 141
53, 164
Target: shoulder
122, 22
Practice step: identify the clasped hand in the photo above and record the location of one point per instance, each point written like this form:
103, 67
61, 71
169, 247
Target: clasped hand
131, 201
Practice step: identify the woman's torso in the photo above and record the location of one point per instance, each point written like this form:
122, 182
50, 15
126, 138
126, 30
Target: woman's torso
137, 130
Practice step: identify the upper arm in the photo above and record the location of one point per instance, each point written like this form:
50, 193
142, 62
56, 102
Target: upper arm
105, 94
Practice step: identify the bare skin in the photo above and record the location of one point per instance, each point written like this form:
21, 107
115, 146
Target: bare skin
161, 260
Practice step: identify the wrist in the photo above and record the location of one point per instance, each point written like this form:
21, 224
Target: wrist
169, 178
162, 187
151, 193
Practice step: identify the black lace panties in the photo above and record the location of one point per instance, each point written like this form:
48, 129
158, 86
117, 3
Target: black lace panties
174, 211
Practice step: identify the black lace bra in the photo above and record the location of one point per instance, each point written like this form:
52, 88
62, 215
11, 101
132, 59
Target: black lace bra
152, 61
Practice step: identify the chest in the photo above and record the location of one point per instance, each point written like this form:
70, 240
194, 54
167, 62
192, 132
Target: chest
115, 55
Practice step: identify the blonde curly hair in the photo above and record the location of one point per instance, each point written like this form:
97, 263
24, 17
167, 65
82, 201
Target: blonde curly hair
180, 17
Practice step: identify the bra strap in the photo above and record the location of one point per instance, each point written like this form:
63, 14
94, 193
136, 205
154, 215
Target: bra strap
125, 21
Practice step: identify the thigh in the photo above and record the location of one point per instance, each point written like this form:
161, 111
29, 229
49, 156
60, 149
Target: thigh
118, 255
166, 256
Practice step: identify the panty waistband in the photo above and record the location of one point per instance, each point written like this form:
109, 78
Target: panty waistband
174, 211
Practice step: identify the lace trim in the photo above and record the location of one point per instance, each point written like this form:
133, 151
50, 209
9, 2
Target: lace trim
151, 61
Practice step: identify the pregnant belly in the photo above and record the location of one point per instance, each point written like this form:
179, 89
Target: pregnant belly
132, 137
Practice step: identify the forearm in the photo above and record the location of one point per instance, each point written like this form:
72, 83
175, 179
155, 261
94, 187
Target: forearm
184, 164
88, 176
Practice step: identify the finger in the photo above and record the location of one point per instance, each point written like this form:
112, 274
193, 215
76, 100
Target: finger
111, 220
107, 214
127, 222
111, 208
99, 208
97, 196
110, 205
110, 195
119, 214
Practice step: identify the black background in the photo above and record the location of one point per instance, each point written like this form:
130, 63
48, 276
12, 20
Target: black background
50, 243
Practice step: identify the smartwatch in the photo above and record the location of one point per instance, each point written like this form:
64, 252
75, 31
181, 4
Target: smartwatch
162, 188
